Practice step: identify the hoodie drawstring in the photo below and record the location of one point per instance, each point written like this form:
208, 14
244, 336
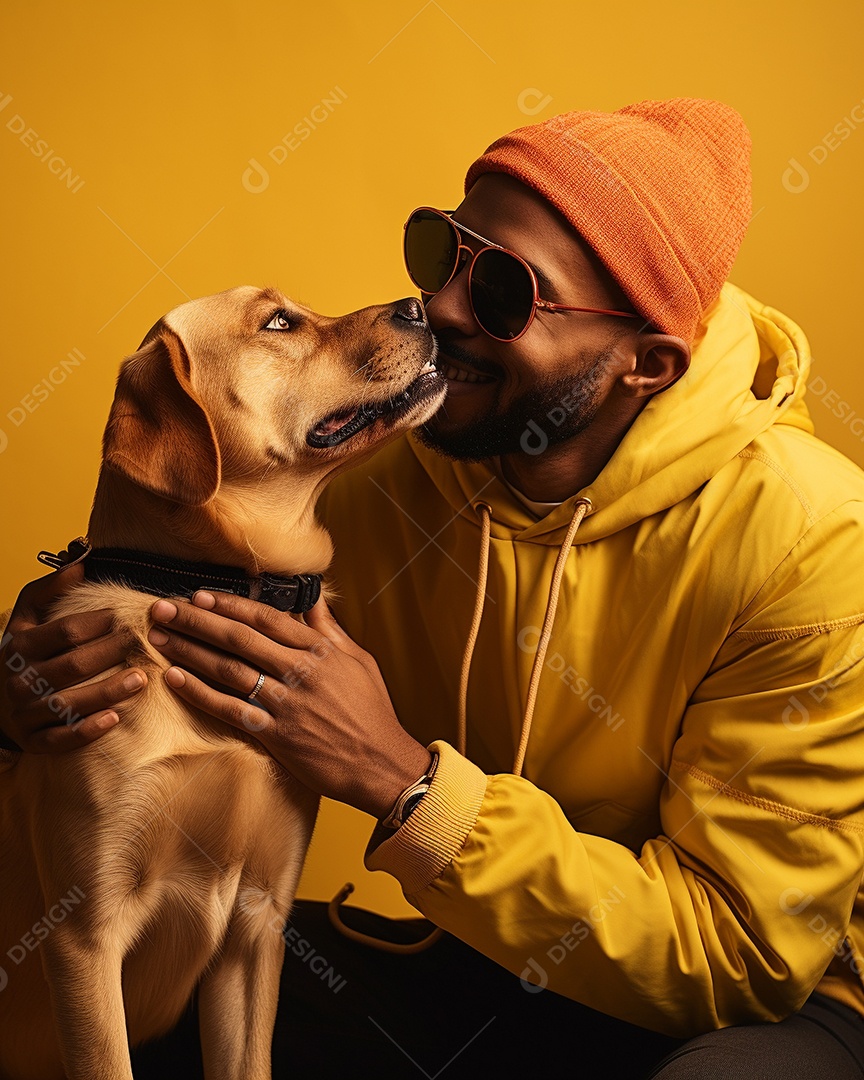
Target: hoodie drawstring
479, 603
582, 508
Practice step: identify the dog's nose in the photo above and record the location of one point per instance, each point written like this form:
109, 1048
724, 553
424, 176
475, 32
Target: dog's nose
410, 310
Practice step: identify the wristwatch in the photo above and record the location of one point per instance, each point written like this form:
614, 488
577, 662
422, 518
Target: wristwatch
410, 797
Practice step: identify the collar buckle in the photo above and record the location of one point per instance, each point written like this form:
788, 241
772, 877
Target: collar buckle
296, 594
308, 591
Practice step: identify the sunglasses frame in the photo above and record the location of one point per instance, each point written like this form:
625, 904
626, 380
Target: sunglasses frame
538, 304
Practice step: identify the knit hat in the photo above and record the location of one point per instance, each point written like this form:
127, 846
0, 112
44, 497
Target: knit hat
659, 189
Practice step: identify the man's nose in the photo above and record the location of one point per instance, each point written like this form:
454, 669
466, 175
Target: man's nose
450, 308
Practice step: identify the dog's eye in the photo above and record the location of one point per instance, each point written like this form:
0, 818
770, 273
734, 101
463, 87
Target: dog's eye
280, 321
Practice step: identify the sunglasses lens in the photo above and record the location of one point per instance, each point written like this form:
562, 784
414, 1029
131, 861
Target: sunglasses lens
502, 293
431, 250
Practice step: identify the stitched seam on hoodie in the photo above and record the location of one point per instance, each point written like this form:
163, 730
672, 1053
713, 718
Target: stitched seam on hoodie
757, 455
790, 631
767, 804
786, 632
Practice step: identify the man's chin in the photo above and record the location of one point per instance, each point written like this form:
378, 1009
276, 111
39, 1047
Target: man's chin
514, 428
467, 444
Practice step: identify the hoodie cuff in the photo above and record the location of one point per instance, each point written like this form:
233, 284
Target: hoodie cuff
423, 847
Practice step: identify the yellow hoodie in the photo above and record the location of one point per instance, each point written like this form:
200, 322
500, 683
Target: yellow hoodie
683, 848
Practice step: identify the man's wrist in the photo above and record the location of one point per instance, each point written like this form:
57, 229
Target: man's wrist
387, 780
410, 796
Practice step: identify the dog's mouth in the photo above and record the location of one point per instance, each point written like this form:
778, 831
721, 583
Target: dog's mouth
337, 428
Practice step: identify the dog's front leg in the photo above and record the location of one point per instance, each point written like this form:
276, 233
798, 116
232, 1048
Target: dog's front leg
237, 1000
87, 995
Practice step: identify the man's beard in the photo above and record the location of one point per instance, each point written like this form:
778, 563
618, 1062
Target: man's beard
551, 412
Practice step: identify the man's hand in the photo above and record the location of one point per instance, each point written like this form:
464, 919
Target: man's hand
40, 660
328, 720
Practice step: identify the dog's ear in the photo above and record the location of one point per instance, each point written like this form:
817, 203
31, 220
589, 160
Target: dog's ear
158, 433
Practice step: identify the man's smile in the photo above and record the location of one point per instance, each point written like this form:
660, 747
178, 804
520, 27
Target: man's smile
464, 372
460, 379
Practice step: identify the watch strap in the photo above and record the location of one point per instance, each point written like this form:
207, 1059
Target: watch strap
410, 797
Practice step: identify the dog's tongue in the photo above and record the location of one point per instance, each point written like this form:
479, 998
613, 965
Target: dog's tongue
334, 423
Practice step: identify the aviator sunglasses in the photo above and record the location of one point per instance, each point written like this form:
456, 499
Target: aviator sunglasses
502, 287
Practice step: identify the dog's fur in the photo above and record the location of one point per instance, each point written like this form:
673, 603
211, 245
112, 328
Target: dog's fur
165, 856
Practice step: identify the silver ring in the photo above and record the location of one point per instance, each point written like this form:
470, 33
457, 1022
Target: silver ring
256, 688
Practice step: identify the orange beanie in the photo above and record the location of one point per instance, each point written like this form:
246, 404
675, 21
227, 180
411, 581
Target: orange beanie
660, 190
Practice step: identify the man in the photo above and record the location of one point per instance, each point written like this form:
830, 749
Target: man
622, 533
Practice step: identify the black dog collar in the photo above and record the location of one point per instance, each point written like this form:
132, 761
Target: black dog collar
161, 575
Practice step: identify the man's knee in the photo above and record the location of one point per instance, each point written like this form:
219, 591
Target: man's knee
805, 1046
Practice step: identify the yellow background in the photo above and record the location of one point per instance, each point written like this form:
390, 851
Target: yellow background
157, 110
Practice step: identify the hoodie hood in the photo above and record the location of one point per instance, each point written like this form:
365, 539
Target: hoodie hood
748, 372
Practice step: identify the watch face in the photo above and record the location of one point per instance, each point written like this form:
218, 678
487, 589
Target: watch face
411, 804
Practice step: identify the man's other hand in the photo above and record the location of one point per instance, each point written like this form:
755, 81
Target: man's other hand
41, 660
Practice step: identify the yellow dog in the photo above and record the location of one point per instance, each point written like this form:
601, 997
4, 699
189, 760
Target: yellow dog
173, 846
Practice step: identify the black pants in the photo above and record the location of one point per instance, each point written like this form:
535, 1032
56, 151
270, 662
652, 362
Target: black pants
346, 1010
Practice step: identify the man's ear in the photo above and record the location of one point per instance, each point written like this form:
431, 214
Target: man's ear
660, 361
158, 433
